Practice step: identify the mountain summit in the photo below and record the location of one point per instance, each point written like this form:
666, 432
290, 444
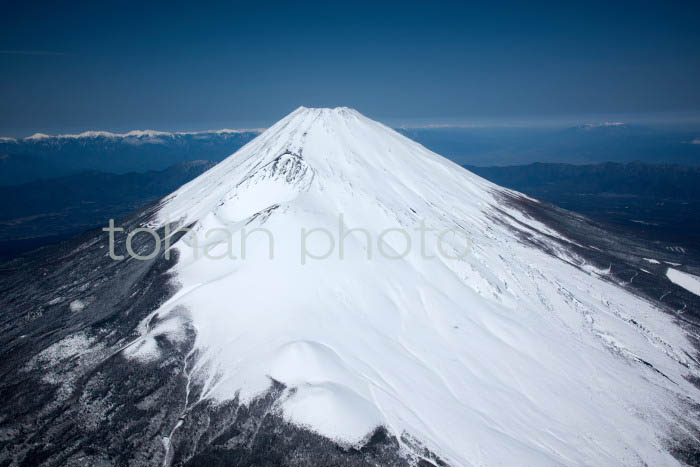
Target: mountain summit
339, 294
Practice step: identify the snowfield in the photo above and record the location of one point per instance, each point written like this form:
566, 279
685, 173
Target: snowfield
505, 356
689, 282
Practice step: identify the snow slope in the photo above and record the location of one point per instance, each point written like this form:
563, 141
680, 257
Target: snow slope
689, 282
506, 356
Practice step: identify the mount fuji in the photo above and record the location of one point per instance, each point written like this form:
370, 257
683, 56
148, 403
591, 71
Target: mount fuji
334, 293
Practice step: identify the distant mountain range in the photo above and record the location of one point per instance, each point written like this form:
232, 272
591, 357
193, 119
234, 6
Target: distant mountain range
41, 212
42, 156
610, 178
654, 201
581, 144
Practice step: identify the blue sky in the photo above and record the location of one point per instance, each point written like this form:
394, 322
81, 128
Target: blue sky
177, 65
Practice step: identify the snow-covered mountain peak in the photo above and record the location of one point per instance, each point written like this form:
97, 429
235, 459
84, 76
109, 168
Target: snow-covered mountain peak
383, 285
346, 152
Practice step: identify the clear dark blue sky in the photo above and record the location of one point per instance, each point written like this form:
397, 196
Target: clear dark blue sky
177, 65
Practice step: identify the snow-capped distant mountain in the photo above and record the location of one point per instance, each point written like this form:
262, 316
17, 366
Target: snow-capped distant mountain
345, 296
591, 126
134, 134
44, 156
